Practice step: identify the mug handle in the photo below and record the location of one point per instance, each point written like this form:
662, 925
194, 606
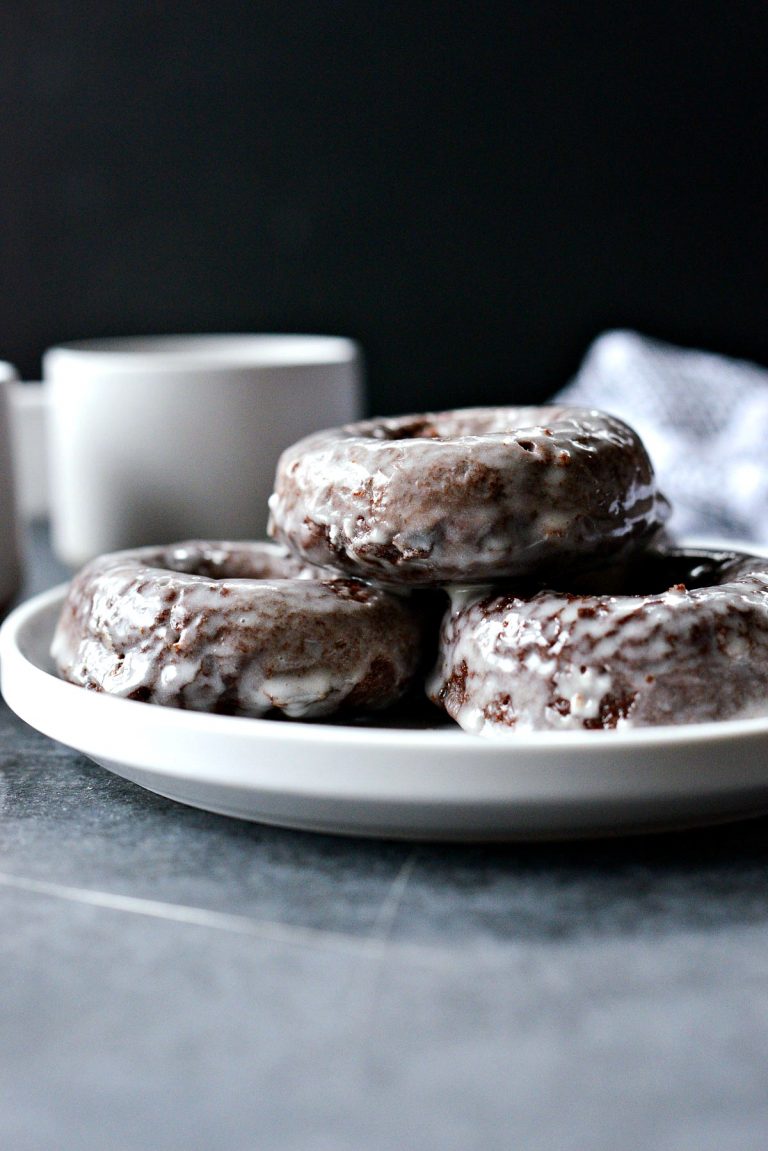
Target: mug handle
10, 552
28, 419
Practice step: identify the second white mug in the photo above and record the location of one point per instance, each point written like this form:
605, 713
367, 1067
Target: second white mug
160, 438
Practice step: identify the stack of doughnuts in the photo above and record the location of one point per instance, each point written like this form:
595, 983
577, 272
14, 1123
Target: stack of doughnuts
536, 530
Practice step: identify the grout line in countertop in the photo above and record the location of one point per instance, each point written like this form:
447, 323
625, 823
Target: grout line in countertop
268, 930
385, 918
365, 993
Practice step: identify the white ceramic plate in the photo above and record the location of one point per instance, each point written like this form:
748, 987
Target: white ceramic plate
437, 783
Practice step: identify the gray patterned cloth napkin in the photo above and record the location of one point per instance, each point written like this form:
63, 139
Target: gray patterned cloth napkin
704, 420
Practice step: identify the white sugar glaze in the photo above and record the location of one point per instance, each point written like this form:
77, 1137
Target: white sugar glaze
473, 494
237, 628
563, 661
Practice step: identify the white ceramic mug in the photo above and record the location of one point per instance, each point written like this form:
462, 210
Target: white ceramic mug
160, 438
10, 550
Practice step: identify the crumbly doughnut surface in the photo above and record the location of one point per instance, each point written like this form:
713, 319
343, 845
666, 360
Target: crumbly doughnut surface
683, 640
468, 495
234, 628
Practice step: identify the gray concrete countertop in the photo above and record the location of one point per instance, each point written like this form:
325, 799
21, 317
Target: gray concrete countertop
174, 979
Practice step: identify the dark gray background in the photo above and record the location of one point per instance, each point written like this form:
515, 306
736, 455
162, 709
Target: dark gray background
474, 190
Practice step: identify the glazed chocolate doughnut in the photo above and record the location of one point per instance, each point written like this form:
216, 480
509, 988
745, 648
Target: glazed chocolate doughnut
643, 656
234, 628
466, 495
